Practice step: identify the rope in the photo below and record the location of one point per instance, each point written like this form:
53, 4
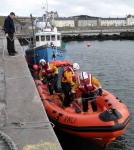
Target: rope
56, 52
45, 53
10, 38
88, 98
8, 140
27, 40
76, 105
34, 56
91, 97
29, 125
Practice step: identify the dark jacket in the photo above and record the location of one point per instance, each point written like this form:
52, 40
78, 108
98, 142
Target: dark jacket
9, 25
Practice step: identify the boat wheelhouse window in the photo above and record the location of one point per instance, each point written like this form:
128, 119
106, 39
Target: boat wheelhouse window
42, 38
37, 38
48, 38
58, 37
52, 37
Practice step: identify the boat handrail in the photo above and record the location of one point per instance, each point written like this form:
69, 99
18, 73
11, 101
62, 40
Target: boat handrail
91, 99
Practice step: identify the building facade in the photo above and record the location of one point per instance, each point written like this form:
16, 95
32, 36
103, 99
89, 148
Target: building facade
64, 22
84, 20
130, 20
113, 21
127, 21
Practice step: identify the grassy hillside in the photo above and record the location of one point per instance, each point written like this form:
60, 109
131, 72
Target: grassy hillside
2, 20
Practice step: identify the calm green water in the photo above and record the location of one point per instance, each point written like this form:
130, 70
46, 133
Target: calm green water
112, 62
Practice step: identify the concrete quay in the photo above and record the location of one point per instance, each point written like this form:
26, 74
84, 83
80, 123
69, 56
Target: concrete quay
22, 115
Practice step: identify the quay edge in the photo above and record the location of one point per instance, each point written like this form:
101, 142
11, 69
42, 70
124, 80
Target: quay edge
26, 122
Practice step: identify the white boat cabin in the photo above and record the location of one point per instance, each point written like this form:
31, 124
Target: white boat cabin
47, 36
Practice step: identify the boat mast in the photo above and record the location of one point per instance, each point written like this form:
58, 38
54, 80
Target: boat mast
45, 12
47, 5
45, 16
33, 29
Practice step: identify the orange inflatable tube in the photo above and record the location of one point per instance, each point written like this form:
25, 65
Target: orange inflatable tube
59, 63
110, 121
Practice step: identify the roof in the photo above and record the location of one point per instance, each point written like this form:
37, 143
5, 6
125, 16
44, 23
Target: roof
52, 12
64, 18
129, 16
84, 16
113, 18
87, 18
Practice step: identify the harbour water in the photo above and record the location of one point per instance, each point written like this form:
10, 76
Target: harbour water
112, 62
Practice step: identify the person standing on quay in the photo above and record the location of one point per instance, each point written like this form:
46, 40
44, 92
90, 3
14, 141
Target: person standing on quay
9, 32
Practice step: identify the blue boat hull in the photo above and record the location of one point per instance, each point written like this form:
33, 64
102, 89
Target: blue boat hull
45, 52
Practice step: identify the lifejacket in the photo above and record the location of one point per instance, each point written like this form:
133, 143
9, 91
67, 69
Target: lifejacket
86, 87
47, 71
69, 68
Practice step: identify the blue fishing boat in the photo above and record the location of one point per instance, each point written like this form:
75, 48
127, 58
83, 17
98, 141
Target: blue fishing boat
48, 44
48, 47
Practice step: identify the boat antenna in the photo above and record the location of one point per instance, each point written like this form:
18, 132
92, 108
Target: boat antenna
46, 12
43, 8
47, 5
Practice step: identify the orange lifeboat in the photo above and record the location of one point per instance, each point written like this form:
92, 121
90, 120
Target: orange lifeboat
110, 121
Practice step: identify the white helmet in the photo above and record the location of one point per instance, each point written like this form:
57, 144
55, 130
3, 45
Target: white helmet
76, 66
83, 76
42, 60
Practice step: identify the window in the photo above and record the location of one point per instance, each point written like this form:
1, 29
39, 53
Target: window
53, 38
48, 38
37, 38
58, 37
42, 38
